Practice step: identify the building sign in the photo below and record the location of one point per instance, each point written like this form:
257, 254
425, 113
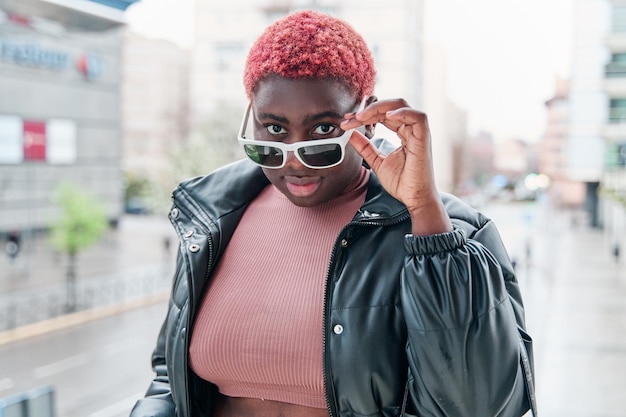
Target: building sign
31, 54
61, 141
90, 65
52, 141
34, 140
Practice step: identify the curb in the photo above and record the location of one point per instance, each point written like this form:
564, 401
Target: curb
79, 317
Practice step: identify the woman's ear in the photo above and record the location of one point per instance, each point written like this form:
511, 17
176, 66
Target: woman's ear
369, 129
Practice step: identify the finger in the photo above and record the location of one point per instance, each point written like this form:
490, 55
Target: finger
410, 121
372, 118
374, 113
407, 116
372, 156
350, 123
383, 106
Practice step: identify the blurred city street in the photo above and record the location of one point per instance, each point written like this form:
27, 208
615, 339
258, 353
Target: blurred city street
116, 101
98, 360
574, 290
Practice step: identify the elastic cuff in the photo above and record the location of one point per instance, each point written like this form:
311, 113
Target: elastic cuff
431, 244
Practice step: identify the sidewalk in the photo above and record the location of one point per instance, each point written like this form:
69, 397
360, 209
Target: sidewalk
575, 297
582, 329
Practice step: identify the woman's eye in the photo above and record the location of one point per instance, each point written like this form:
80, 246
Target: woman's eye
324, 129
275, 130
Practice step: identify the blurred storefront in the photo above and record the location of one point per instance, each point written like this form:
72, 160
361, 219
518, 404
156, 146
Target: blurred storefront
59, 106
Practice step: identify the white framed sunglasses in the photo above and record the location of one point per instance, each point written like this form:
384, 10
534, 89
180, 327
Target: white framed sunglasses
315, 153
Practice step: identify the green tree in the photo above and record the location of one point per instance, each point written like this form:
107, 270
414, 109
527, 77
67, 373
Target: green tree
82, 222
136, 186
138, 190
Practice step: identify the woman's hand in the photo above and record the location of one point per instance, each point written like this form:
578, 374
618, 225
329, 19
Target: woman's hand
407, 172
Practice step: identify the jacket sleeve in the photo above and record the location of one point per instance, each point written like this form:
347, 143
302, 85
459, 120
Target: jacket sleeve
465, 322
158, 400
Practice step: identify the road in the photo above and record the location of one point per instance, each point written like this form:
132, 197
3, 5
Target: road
98, 369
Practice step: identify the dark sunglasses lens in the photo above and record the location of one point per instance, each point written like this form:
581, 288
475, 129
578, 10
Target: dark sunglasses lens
321, 155
268, 156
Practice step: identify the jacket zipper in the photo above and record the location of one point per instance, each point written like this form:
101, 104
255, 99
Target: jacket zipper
192, 311
207, 232
368, 221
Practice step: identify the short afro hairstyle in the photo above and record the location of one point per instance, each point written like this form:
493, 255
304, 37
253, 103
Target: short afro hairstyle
310, 44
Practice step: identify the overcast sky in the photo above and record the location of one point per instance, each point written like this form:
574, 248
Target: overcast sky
503, 58
503, 55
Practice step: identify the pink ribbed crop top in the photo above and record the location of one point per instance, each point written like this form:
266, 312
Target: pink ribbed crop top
258, 332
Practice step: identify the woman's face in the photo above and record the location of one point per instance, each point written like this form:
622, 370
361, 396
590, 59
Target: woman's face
290, 111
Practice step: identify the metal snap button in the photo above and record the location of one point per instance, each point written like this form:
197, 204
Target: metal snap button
344, 243
338, 329
189, 233
174, 213
194, 248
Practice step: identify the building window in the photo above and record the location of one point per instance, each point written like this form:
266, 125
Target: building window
617, 67
617, 112
619, 58
616, 155
619, 19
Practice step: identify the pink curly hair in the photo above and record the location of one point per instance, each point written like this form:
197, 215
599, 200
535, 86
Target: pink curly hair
310, 44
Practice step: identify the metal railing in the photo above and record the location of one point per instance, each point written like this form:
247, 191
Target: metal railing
32, 306
38, 402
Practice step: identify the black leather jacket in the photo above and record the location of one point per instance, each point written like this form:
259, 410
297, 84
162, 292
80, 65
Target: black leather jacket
425, 326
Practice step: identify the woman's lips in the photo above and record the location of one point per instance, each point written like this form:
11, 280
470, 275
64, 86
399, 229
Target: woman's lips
302, 186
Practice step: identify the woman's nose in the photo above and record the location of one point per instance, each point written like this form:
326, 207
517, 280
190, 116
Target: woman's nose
292, 160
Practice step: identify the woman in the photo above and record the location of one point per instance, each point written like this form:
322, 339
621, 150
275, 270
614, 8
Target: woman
310, 285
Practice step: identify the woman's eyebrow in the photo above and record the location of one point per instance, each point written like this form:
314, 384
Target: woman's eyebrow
270, 116
308, 118
323, 115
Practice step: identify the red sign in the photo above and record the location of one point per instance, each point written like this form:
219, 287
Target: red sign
34, 141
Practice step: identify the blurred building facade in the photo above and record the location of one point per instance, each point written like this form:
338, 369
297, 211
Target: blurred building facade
155, 102
595, 107
59, 106
613, 190
447, 122
587, 103
512, 158
477, 161
563, 191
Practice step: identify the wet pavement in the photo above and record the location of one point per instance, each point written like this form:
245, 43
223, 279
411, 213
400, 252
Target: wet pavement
575, 295
574, 291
